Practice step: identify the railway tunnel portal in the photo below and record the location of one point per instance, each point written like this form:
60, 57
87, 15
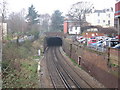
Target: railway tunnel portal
53, 39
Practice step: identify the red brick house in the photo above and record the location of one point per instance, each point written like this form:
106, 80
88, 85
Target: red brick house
71, 27
117, 17
65, 27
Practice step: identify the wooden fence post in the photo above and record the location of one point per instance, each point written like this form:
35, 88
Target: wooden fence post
70, 50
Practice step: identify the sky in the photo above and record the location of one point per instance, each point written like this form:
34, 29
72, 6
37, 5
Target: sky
49, 6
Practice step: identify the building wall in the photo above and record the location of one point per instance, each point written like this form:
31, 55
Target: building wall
65, 27
104, 19
117, 9
117, 17
71, 27
74, 30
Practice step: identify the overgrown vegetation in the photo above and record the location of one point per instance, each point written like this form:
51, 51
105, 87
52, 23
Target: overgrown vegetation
18, 65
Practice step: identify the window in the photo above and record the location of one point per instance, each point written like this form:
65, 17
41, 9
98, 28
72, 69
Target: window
103, 21
108, 22
75, 28
109, 15
70, 28
98, 21
98, 14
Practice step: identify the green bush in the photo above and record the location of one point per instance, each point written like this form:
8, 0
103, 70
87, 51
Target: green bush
12, 51
22, 71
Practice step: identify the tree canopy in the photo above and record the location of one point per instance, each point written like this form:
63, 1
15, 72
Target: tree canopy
32, 16
57, 21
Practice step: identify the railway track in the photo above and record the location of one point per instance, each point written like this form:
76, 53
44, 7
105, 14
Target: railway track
61, 73
60, 55
65, 76
54, 76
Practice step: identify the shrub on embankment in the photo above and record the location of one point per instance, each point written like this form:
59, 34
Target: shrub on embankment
18, 66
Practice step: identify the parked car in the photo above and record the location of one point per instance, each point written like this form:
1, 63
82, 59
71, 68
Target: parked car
82, 40
99, 43
106, 43
92, 41
117, 46
79, 38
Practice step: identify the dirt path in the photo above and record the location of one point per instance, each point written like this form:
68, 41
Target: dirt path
45, 81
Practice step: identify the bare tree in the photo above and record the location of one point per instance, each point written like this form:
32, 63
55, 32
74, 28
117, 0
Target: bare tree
79, 10
16, 22
3, 10
45, 22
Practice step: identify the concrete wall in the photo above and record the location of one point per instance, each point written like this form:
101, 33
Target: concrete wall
95, 63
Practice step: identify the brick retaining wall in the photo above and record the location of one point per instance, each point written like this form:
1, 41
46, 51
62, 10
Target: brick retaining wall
97, 64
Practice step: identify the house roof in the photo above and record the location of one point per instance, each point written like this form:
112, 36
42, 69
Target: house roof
100, 29
108, 30
104, 10
99, 11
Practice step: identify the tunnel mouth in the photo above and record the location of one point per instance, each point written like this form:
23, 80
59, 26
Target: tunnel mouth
53, 41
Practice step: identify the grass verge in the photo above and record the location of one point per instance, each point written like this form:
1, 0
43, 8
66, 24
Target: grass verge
25, 78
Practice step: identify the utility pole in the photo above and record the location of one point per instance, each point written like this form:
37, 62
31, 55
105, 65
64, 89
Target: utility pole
3, 8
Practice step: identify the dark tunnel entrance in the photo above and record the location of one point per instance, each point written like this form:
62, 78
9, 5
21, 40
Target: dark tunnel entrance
53, 41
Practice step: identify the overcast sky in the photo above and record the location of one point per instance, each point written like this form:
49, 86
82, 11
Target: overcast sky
48, 6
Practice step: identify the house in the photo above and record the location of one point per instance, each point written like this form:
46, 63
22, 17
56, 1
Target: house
4, 28
71, 27
92, 32
104, 18
74, 30
117, 18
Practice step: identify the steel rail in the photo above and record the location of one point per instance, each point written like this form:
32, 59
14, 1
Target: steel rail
61, 75
54, 85
74, 69
75, 83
